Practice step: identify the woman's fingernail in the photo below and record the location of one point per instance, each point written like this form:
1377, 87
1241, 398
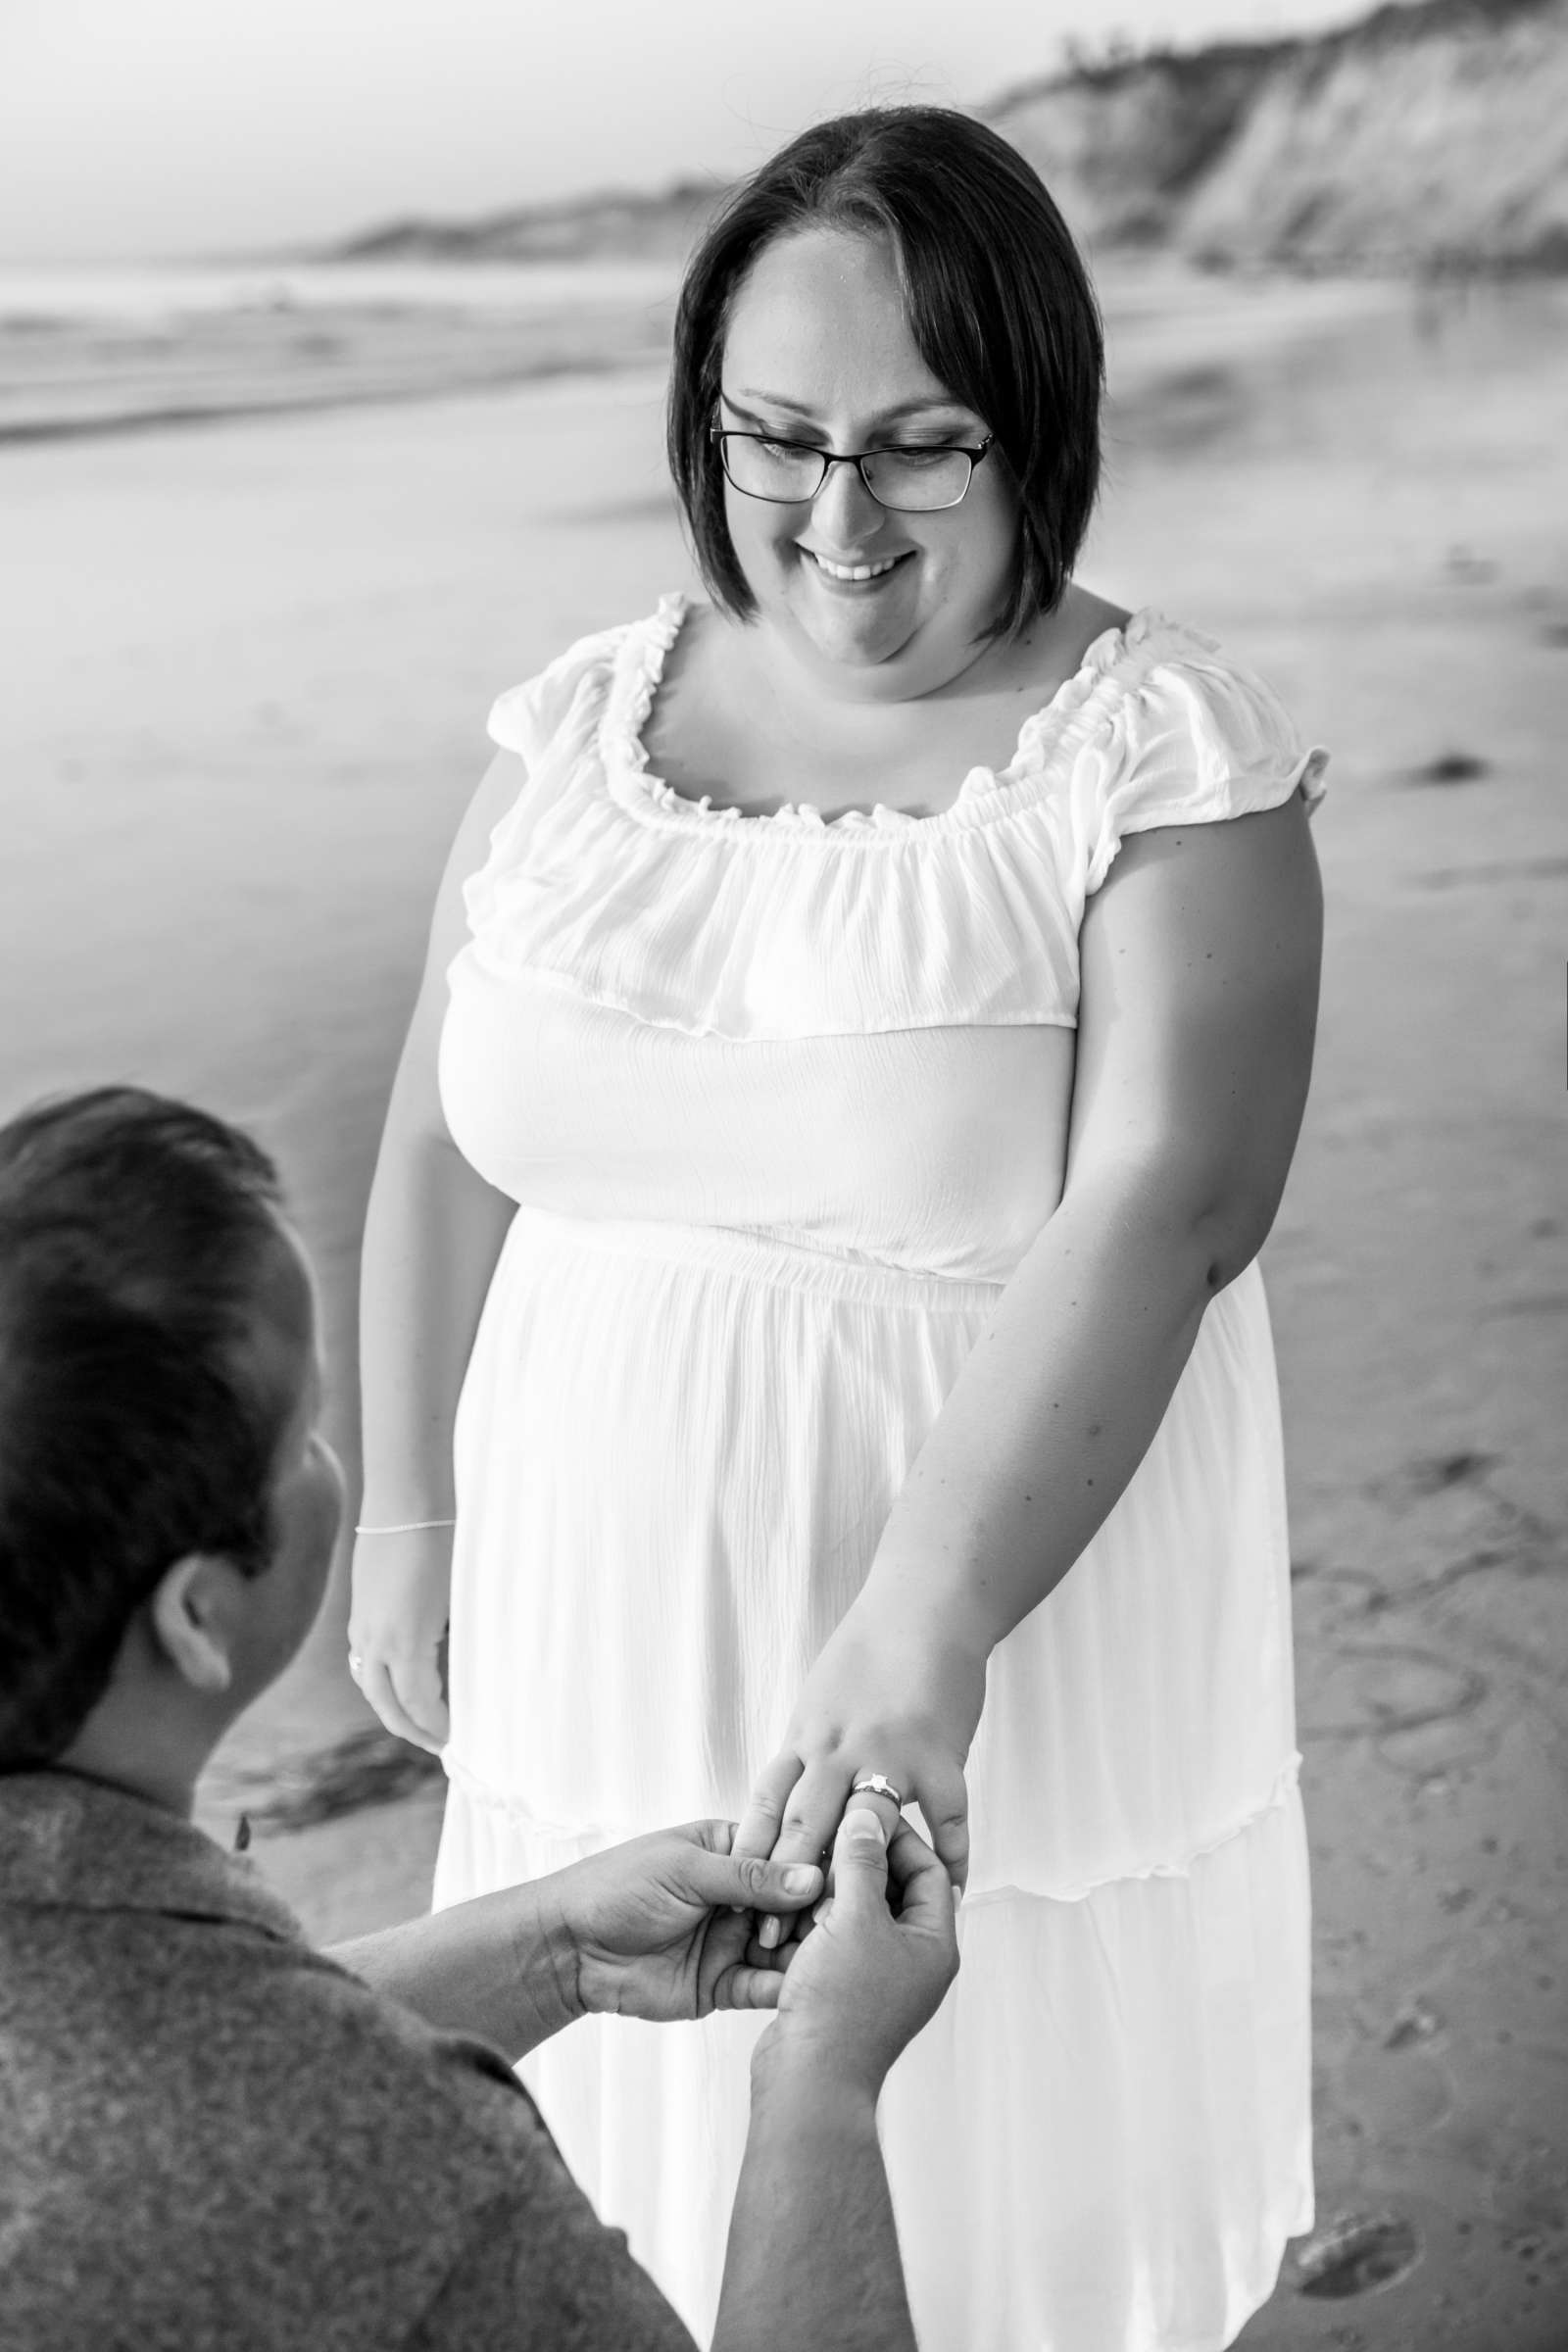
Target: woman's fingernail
769, 1932
823, 1910
800, 1879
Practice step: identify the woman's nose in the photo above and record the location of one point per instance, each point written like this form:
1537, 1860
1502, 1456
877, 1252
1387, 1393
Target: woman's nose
843, 510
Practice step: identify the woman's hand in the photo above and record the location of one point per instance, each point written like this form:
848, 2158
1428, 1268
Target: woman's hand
397, 1625
890, 1693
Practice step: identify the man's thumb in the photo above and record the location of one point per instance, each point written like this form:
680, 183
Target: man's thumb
862, 1849
752, 1881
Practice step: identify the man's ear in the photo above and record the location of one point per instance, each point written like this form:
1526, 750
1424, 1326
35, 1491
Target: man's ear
191, 1616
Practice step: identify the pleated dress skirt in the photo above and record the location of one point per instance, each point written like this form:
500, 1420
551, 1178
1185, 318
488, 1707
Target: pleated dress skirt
676, 1449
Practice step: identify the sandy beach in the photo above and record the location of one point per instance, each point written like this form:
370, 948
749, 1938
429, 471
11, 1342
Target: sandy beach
250, 663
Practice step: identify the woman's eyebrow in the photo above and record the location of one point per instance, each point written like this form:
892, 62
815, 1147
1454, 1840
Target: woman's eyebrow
939, 405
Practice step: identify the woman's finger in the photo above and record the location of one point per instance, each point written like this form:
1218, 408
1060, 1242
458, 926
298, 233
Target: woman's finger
417, 1686
813, 1813
757, 1831
746, 1987
375, 1681
925, 1891
944, 1799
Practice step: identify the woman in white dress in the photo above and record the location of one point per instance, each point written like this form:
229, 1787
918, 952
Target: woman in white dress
866, 1026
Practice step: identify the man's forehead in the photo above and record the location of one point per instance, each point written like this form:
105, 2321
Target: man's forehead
283, 1329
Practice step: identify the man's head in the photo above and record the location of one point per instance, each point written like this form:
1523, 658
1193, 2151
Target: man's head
167, 1510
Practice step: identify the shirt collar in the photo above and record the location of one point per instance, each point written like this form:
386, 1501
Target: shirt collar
72, 1843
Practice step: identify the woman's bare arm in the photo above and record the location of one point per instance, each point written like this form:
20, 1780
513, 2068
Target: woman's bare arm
1200, 977
433, 1230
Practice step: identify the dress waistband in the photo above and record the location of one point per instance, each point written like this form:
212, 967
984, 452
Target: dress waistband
752, 1257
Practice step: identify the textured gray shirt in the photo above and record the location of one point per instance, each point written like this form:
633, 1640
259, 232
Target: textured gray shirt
215, 2139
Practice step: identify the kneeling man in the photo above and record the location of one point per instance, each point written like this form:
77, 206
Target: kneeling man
212, 2137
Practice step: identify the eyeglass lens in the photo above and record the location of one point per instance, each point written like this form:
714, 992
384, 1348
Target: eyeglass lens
913, 480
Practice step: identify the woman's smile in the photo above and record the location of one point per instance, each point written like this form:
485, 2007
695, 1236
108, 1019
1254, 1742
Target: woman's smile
855, 572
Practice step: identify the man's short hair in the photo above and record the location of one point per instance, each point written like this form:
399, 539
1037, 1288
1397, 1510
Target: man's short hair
135, 1427
999, 306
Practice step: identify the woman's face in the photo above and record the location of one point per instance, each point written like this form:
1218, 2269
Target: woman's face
819, 350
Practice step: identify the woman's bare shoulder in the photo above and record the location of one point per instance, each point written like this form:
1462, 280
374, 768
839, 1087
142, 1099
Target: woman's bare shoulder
1054, 647
1081, 620
1095, 615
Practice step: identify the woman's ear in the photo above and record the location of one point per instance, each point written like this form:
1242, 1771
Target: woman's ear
191, 1616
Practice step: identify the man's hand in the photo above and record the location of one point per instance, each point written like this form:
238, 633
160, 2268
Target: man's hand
653, 1927
879, 1964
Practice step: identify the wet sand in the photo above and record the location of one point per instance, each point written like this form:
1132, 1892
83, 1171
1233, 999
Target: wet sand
251, 670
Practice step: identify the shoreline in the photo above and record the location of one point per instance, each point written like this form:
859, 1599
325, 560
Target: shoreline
248, 409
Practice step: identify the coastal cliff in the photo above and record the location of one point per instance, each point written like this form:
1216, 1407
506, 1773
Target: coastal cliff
1423, 138
612, 225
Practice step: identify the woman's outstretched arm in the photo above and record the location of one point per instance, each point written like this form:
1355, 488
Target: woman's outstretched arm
1199, 978
433, 1230
1199, 974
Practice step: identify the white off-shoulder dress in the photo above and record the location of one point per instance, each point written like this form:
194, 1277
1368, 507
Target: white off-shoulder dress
770, 1095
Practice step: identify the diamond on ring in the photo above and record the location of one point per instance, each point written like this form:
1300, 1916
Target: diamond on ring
878, 1784
354, 1661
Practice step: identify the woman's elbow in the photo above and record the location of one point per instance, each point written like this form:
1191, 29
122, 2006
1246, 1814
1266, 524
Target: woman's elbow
1231, 1227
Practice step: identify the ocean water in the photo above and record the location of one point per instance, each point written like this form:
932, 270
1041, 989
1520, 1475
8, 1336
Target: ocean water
147, 294
105, 350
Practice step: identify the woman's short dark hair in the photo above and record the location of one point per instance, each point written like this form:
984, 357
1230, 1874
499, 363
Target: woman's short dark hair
134, 1234
999, 306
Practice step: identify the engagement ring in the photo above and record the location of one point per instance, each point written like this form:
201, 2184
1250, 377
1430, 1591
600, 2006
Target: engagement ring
879, 1785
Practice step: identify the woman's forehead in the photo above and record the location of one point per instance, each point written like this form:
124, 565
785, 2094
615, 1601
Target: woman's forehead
821, 314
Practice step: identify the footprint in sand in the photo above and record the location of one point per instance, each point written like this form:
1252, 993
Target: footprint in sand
1360, 1693
1354, 2255
1399, 2095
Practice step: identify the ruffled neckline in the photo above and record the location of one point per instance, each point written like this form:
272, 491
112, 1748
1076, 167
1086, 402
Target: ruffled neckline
639, 670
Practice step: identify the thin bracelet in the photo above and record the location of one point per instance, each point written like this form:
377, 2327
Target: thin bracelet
405, 1527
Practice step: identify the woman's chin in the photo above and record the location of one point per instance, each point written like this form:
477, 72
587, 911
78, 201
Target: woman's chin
851, 640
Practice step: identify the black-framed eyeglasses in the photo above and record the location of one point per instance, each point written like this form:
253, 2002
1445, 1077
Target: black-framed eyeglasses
790, 473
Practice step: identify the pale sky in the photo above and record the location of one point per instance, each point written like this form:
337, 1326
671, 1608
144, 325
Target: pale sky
142, 127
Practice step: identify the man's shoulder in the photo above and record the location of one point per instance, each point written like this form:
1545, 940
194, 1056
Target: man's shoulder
222, 2121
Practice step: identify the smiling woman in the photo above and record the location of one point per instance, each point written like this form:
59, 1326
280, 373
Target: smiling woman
879, 591
994, 319
867, 1025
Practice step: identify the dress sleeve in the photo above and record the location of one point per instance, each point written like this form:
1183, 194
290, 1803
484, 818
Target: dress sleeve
549, 723
1197, 740
529, 718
